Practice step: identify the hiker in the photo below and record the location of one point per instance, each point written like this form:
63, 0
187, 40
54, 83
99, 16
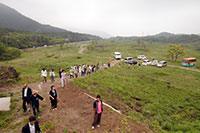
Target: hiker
52, 75
63, 78
97, 67
32, 126
119, 65
26, 96
35, 102
82, 70
98, 109
53, 97
108, 64
139, 65
76, 72
60, 71
71, 73
44, 75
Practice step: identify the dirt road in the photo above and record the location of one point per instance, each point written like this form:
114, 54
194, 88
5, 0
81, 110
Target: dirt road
186, 68
83, 48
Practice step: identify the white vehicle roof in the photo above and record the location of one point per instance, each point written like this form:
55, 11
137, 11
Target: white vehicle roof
116, 52
141, 55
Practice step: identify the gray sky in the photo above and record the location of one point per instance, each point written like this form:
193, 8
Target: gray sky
116, 17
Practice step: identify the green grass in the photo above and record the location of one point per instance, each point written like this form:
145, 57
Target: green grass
156, 50
166, 99
47, 126
31, 62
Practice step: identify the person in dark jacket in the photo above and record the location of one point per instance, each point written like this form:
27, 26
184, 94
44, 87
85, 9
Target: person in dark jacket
53, 97
26, 96
60, 71
98, 109
32, 126
35, 102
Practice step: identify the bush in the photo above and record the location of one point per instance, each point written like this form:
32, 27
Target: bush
8, 53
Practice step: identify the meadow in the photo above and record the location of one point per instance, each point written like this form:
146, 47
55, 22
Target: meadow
32, 61
165, 99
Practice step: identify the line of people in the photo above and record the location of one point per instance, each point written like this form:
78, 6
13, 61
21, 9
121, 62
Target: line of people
32, 98
82, 70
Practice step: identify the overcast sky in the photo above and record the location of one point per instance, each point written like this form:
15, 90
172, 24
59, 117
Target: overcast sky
116, 17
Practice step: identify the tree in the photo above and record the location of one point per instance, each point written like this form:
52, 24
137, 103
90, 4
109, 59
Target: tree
8, 53
175, 51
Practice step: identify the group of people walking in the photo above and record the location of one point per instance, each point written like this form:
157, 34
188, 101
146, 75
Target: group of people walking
31, 97
44, 75
82, 70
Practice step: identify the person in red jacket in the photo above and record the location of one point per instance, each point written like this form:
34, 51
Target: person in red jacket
98, 109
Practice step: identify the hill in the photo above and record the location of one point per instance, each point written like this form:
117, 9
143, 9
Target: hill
12, 20
162, 37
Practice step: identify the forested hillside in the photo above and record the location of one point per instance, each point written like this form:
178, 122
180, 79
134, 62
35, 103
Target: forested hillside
20, 31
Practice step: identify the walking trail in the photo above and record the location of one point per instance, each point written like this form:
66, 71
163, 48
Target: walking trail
186, 68
75, 111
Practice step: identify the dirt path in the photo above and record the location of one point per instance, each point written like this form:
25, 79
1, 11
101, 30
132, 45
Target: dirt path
186, 68
83, 48
75, 110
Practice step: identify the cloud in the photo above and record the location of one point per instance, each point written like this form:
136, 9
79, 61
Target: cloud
116, 17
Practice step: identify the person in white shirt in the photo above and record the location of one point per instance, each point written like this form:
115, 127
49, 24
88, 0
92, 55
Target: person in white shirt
63, 78
71, 71
26, 97
44, 75
52, 75
32, 126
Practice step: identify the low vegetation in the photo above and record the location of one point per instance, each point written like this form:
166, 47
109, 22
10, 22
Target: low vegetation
160, 98
166, 99
8, 53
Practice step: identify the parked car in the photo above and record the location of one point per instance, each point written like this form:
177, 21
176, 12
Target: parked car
162, 64
130, 60
141, 57
117, 55
146, 62
154, 62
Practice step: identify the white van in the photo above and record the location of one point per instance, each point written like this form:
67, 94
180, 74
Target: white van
117, 55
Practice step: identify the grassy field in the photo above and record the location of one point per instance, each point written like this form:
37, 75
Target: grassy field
166, 99
31, 62
156, 50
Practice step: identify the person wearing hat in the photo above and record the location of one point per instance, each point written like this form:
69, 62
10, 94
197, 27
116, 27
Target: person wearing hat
35, 102
98, 109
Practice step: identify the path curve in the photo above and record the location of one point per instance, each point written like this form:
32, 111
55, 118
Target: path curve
83, 48
186, 68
